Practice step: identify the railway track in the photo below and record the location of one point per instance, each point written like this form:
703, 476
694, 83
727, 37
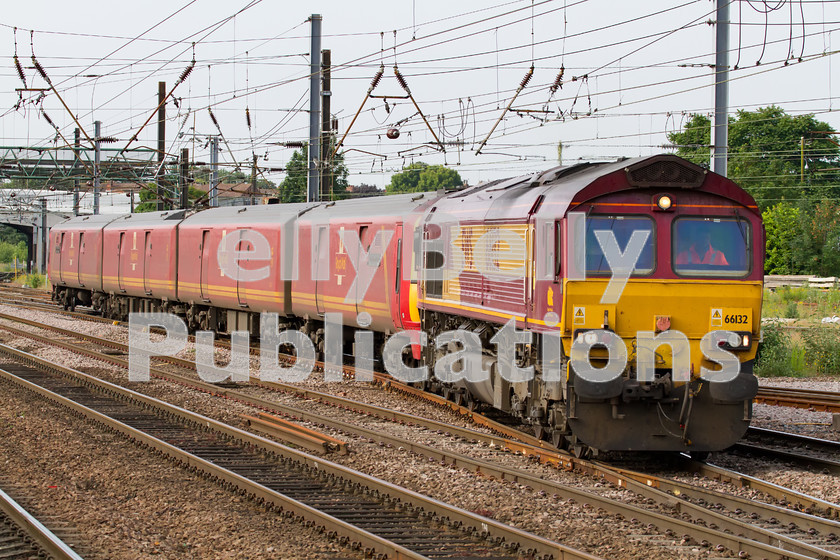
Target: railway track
23, 537
366, 513
759, 529
815, 454
824, 401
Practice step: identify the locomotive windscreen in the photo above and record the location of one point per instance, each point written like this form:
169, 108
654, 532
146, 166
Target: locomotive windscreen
711, 247
622, 227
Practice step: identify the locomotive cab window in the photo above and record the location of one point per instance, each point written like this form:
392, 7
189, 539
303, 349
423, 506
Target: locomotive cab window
711, 247
623, 228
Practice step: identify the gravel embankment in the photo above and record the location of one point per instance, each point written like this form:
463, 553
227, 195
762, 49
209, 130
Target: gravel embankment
560, 520
128, 503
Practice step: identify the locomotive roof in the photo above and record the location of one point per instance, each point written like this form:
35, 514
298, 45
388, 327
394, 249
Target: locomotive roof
88, 221
370, 207
561, 187
147, 219
257, 214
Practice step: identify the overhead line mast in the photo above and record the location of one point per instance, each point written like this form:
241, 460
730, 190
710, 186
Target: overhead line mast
312, 191
720, 127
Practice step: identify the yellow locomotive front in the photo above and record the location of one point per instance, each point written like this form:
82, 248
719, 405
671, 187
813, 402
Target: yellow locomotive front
661, 316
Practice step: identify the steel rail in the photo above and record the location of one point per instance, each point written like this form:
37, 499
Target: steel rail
41, 537
754, 540
538, 448
446, 512
760, 448
682, 491
799, 500
825, 401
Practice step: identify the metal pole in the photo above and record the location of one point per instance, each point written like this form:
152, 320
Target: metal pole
326, 133
131, 195
214, 171
96, 180
161, 141
183, 178
42, 261
314, 107
77, 144
252, 189
720, 129
802, 160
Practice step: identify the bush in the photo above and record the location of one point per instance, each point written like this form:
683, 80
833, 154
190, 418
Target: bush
822, 350
775, 352
33, 280
792, 310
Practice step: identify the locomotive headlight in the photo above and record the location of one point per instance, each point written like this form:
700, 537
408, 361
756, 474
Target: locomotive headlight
590, 338
664, 202
736, 341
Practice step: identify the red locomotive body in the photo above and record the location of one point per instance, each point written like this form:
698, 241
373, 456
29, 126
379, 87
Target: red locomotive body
139, 258
547, 251
75, 259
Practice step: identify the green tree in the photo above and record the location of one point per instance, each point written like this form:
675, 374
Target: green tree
765, 154
293, 186
202, 176
148, 198
817, 249
783, 226
421, 177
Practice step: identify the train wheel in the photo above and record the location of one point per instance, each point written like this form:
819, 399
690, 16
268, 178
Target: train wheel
699, 456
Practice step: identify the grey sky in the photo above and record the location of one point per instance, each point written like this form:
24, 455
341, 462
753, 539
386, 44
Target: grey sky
462, 60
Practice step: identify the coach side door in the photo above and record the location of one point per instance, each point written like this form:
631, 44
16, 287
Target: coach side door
322, 265
122, 260
63, 255
76, 267
204, 265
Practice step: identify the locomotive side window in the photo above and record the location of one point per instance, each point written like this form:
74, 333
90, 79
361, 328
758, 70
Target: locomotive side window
711, 247
622, 227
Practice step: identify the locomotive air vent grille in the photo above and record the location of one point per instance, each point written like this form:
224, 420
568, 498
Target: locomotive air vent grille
666, 171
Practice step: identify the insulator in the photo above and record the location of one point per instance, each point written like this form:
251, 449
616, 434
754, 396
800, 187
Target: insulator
293, 144
107, 139
187, 71
401, 79
527, 78
40, 70
248, 117
20, 71
48, 119
558, 81
213, 117
375, 81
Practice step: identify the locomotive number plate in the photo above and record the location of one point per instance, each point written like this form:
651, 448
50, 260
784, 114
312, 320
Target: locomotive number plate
731, 318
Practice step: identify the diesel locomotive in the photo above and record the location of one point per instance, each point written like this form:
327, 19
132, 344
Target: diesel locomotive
629, 251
